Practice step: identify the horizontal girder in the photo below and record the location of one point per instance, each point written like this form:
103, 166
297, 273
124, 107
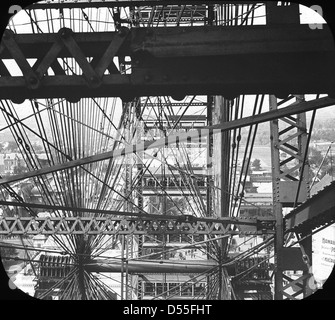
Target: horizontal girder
177, 61
151, 266
125, 3
176, 42
313, 213
139, 226
303, 106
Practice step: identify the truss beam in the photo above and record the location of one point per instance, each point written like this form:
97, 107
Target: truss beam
138, 226
153, 266
315, 212
186, 218
229, 60
182, 137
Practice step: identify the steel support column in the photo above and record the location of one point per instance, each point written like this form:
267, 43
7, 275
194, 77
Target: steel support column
289, 138
277, 206
152, 266
128, 112
139, 192
209, 179
161, 66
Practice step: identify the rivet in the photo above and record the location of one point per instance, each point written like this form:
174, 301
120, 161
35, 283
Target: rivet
6, 34
33, 81
93, 79
123, 31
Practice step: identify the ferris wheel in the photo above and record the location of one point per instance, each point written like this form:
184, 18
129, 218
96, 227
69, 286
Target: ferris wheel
117, 199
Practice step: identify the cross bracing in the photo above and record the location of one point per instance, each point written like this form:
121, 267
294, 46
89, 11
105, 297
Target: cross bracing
164, 168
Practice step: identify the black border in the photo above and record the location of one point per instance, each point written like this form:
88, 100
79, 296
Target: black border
219, 309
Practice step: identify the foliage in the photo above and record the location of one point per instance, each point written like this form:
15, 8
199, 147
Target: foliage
37, 148
316, 157
319, 164
19, 169
324, 130
7, 212
256, 164
7, 252
12, 146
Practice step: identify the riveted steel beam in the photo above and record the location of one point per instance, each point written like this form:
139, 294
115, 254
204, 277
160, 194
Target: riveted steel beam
179, 61
313, 213
138, 226
153, 266
182, 137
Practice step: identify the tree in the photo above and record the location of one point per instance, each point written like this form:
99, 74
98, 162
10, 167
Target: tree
319, 164
263, 138
19, 169
315, 157
7, 252
12, 146
37, 148
256, 164
7, 212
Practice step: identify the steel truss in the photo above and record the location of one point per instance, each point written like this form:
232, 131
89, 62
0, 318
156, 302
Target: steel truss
98, 198
159, 65
313, 213
289, 190
140, 226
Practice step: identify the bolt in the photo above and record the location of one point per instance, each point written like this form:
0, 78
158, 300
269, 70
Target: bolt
94, 79
65, 32
33, 81
148, 32
7, 34
122, 32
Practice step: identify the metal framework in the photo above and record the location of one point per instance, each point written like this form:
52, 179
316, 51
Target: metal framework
120, 175
289, 190
227, 60
312, 214
140, 226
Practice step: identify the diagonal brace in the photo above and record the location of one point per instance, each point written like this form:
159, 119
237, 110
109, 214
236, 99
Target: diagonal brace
28, 73
111, 51
89, 73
